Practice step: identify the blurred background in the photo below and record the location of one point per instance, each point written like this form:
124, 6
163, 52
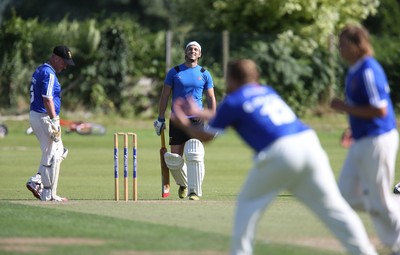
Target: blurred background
123, 48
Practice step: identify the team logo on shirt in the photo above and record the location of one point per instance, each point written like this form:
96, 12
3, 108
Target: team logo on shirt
199, 78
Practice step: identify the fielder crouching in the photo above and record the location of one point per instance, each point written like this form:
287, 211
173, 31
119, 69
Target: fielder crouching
45, 91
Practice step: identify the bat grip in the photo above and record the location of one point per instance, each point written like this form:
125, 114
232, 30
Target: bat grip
162, 139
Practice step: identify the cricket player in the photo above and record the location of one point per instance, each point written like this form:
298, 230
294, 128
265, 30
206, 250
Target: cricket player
183, 80
45, 92
368, 171
288, 156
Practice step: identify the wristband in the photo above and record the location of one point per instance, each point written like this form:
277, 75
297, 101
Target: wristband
161, 119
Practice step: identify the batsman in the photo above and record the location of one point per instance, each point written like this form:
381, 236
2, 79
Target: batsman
186, 158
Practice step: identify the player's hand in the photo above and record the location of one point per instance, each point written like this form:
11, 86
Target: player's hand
55, 129
338, 104
159, 125
179, 116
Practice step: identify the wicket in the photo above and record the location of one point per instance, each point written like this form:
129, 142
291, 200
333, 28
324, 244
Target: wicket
134, 165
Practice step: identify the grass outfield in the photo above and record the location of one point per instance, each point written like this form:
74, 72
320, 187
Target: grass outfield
92, 223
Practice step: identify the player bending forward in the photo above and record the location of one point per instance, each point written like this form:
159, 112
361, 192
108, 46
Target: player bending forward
45, 93
288, 156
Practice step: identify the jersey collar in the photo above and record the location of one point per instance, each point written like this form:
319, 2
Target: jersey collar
357, 65
47, 64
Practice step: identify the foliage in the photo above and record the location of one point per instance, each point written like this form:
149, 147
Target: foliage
387, 51
121, 61
110, 57
305, 82
311, 20
387, 19
16, 53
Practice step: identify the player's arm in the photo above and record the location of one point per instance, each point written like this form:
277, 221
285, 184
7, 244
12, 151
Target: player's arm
211, 102
49, 106
163, 103
179, 118
366, 112
190, 108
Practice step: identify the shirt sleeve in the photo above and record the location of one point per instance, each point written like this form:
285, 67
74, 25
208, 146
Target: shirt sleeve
169, 79
48, 85
208, 80
224, 117
375, 88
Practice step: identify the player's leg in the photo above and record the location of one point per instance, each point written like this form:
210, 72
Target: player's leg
194, 154
316, 187
40, 129
174, 160
350, 179
60, 155
378, 174
50, 166
269, 175
177, 167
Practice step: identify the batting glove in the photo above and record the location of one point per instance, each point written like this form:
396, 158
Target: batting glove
55, 129
159, 124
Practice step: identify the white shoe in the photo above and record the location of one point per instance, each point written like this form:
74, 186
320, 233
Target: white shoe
59, 199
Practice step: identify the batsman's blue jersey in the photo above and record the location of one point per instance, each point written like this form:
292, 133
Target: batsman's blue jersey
44, 83
189, 81
258, 114
367, 85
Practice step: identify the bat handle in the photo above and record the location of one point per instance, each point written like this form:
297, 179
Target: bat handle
162, 139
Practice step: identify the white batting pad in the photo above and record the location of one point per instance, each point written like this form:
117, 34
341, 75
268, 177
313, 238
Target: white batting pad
194, 153
177, 167
50, 174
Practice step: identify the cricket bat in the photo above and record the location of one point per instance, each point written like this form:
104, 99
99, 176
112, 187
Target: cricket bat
164, 169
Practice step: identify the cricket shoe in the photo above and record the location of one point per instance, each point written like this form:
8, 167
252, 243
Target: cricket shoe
194, 197
59, 199
182, 192
35, 188
396, 189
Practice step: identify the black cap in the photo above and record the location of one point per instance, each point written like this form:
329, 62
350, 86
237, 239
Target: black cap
64, 53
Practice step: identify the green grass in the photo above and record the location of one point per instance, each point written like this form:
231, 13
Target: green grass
92, 223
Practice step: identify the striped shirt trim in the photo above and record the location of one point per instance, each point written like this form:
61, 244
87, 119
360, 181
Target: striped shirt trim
372, 91
50, 86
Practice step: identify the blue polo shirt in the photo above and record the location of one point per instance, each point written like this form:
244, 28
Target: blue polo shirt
44, 83
367, 85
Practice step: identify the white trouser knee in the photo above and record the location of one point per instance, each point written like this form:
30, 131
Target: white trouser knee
194, 153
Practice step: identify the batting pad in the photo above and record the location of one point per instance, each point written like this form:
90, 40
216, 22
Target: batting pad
194, 153
57, 165
177, 167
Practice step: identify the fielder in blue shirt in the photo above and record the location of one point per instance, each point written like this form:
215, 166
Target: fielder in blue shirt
368, 171
288, 156
183, 80
45, 92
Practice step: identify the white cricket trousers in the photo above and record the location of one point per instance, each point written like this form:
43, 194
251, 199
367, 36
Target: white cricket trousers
40, 123
299, 164
366, 182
